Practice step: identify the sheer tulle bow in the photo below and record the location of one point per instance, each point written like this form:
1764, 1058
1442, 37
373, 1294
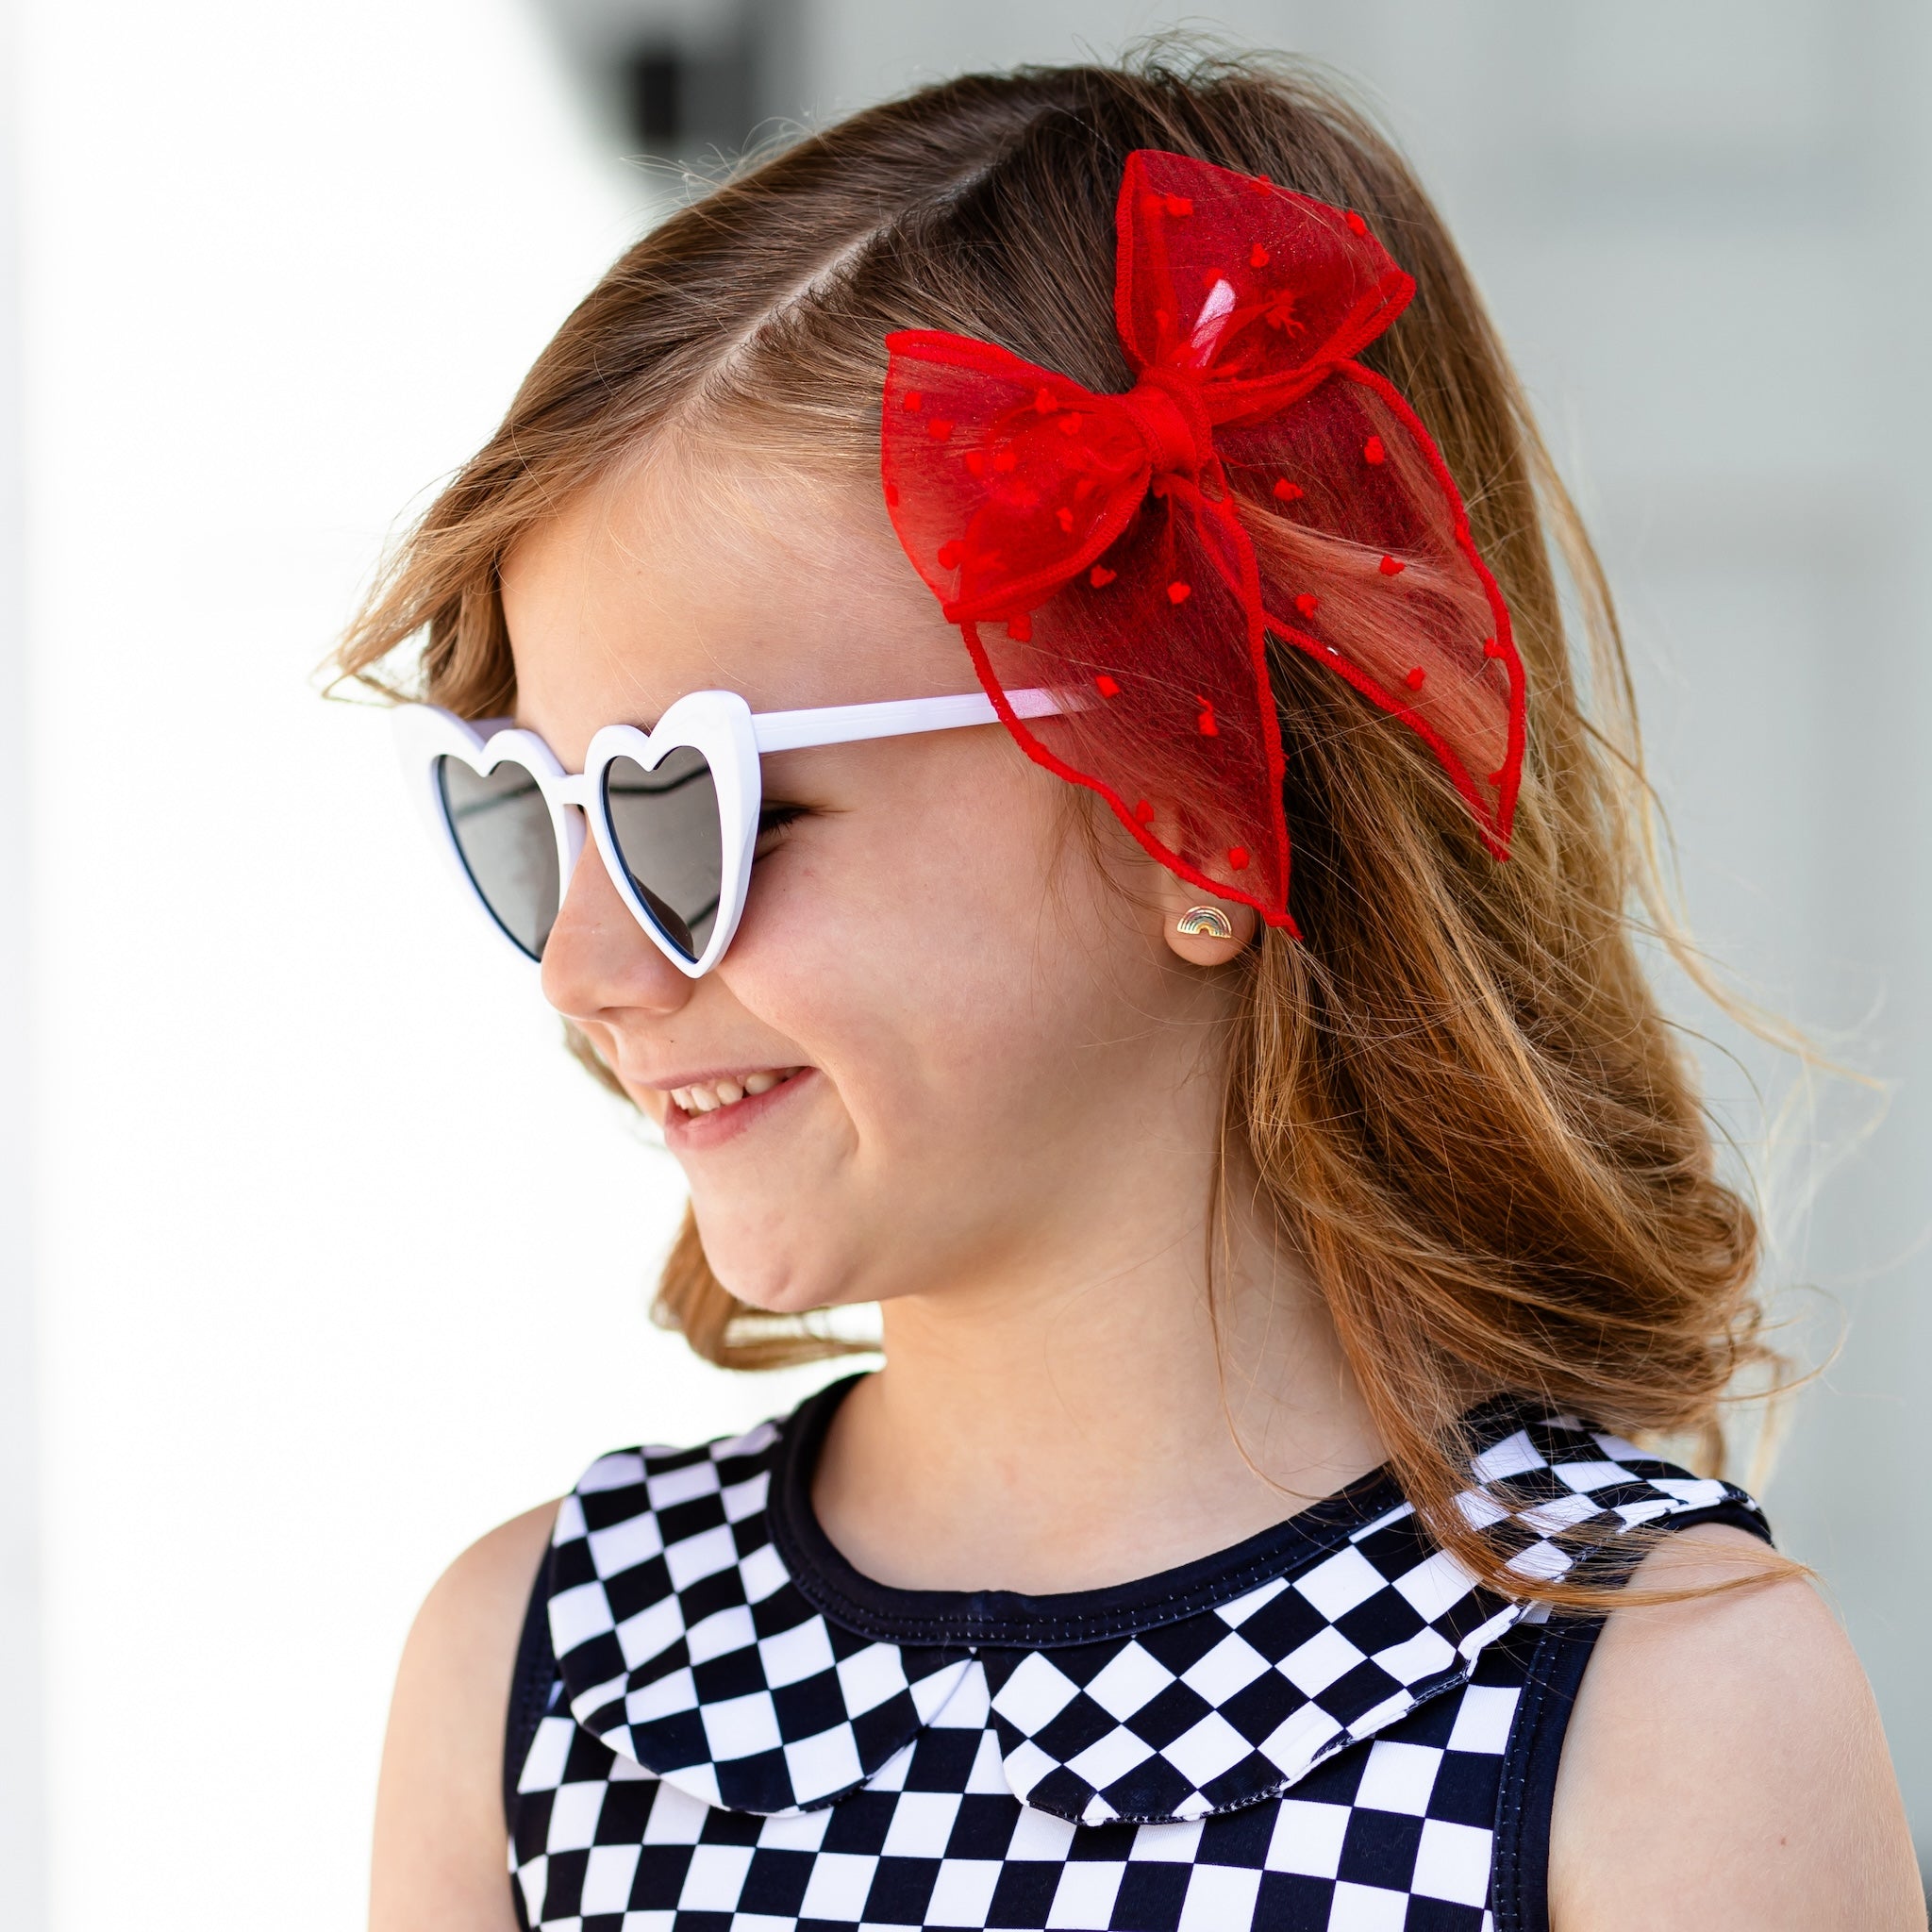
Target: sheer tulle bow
1138, 550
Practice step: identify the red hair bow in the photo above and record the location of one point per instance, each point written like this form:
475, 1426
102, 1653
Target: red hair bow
1140, 547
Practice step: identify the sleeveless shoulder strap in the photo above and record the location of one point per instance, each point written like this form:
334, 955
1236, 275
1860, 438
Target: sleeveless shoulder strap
530, 1686
1519, 1893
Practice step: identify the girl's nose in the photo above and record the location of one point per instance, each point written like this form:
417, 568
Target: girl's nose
598, 959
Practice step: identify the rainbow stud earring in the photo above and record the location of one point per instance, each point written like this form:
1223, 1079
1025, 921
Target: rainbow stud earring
1208, 920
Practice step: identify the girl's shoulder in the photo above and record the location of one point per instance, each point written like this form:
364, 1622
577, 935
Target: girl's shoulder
437, 1852
1730, 1734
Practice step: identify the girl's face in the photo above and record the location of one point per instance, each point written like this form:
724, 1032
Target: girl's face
964, 1053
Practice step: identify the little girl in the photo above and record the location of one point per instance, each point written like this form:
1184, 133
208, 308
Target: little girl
1042, 597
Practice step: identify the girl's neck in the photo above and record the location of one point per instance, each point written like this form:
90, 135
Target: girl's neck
1093, 1426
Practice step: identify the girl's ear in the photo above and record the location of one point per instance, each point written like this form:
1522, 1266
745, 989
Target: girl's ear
1200, 928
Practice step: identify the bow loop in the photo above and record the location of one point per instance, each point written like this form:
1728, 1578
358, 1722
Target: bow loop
1262, 291
1256, 481
1003, 480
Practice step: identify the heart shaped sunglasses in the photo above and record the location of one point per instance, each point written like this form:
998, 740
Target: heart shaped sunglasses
674, 810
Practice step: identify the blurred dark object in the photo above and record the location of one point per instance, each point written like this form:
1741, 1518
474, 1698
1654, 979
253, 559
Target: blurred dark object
681, 99
682, 80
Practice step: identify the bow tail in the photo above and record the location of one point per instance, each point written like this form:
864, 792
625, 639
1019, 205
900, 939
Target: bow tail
1367, 565
1166, 638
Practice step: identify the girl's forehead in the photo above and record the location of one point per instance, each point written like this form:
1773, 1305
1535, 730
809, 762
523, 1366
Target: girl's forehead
670, 578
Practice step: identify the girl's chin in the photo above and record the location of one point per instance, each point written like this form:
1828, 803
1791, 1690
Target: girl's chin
777, 1264
763, 1294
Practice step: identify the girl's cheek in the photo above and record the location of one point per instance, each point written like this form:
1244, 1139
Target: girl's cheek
907, 940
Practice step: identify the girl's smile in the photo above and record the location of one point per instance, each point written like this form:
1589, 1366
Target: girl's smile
704, 1114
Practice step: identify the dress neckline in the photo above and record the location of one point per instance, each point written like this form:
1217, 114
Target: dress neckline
706, 1629
1010, 1617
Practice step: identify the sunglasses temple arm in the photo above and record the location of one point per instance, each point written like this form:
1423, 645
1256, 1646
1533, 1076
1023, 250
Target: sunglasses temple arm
896, 718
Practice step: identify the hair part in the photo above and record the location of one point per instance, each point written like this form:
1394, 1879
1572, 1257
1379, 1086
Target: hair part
1458, 1095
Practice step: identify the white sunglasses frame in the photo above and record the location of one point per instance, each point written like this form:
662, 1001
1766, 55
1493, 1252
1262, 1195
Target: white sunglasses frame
719, 726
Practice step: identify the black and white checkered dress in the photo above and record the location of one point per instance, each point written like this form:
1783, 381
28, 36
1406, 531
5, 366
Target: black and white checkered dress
717, 1725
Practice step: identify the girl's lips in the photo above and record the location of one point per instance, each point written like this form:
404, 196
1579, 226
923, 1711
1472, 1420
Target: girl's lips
689, 1133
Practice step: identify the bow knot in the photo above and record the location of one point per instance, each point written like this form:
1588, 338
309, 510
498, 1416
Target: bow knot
1165, 406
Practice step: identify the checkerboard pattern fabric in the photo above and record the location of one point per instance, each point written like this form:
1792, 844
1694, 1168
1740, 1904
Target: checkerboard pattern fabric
687, 1648
1222, 1710
1325, 1749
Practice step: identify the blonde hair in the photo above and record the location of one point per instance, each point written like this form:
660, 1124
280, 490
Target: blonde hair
1460, 1096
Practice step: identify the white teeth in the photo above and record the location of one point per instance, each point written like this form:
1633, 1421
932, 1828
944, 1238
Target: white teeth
708, 1096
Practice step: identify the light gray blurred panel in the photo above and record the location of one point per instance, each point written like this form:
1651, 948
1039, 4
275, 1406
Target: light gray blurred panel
1736, 698
1760, 643
1675, 226
1718, 118
858, 50
1740, 81
1694, 356
1742, 724
1757, 98
613, 26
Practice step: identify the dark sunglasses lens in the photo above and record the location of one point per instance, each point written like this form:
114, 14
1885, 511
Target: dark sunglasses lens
503, 830
666, 828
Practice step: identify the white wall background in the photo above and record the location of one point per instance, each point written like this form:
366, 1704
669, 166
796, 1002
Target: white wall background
336, 1259
339, 1261
23, 1814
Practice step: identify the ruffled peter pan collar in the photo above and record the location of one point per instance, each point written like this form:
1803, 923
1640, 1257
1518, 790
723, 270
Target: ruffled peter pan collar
706, 1629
